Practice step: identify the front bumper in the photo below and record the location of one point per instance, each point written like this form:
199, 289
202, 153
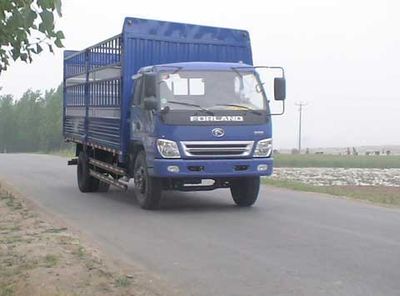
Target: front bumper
215, 168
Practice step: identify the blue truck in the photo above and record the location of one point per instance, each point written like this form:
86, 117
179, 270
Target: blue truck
174, 106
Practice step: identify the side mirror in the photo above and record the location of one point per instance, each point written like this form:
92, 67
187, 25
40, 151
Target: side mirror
280, 89
150, 85
150, 103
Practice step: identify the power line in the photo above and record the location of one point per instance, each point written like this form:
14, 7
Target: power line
301, 105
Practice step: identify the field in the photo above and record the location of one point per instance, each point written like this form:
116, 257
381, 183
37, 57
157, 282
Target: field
371, 178
336, 161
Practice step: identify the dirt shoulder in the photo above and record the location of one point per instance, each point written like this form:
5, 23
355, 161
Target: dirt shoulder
39, 256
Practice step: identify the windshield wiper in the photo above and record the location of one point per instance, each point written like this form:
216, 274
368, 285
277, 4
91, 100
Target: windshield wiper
192, 105
241, 106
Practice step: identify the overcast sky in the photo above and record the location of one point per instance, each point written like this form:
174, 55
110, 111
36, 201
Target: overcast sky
341, 57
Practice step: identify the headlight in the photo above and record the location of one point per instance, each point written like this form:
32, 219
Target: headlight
168, 149
263, 148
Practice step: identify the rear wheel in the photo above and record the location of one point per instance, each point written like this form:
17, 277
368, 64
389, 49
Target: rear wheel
245, 191
148, 190
86, 183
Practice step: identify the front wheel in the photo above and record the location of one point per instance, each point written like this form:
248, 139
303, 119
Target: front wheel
148, 190
245, 191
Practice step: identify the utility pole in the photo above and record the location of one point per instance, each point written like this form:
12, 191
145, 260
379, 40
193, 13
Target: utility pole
301, 105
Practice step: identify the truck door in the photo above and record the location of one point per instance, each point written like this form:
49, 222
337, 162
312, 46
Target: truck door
142, 120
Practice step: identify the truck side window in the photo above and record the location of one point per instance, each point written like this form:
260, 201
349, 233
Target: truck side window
149, 85
138, 91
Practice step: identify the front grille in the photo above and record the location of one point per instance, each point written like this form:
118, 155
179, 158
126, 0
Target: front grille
222, 149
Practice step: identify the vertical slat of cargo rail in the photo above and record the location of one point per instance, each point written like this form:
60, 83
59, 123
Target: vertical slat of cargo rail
64, 101
86, 95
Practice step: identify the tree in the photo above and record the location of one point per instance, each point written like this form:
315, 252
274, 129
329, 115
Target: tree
51, 121
7, 123
28, 114
33, 122
25, 26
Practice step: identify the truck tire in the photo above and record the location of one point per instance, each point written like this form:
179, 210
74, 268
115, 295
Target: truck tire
148, 190
245, 191
86, 183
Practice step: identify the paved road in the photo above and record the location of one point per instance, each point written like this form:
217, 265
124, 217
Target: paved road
290, 243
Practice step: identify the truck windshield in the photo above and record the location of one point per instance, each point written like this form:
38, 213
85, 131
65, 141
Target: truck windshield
211, 90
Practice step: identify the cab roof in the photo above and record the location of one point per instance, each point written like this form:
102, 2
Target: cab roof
193, 66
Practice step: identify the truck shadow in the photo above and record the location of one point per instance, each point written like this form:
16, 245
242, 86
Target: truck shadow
176, 201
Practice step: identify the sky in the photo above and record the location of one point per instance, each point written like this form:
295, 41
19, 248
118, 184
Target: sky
340, 57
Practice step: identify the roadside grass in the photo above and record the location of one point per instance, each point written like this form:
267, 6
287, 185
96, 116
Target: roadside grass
39, 257
376, 194
80, 252
122, 281
7, 290
67, 152
64, 152
336, 161
50, 261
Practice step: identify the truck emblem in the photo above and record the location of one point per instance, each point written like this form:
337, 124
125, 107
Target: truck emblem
218, 132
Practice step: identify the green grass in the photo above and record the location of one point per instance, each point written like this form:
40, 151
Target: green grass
80, 252
68, 152
50, 261
375, 194
55, 230
336, 161
7, 290
10, 201
122, 281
